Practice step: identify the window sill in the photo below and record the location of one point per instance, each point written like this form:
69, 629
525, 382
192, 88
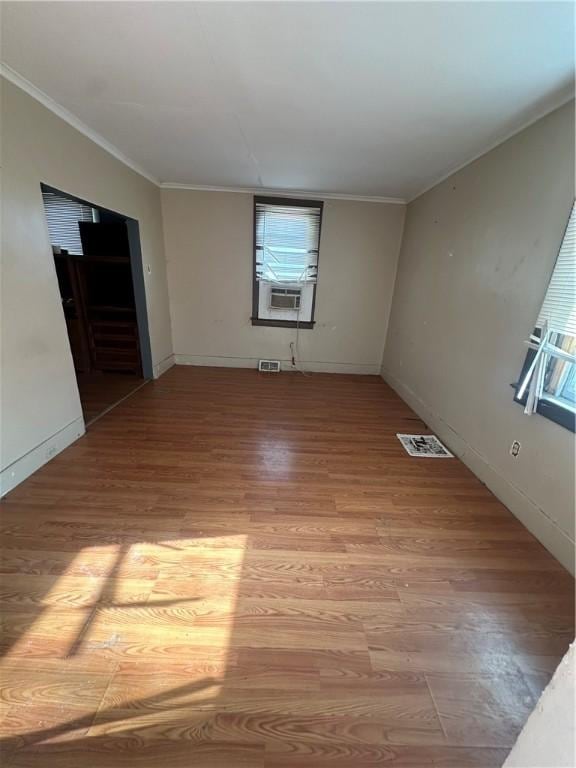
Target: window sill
552, 411
303, 325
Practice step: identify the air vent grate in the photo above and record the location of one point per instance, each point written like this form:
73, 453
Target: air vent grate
424, 445
269, 366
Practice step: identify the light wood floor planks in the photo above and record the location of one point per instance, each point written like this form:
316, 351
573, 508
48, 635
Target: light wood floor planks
246, 571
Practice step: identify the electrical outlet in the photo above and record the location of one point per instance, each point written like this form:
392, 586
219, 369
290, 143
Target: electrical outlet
515, 448
51, 452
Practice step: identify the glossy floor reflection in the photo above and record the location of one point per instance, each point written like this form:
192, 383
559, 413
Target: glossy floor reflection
100, 391
234, 569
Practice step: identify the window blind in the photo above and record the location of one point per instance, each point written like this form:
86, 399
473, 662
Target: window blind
559, 307
63, 215
287, 242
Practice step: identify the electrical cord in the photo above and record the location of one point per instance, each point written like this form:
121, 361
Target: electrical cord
294, 348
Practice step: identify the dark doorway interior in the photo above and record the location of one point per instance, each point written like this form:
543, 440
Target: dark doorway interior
96, 254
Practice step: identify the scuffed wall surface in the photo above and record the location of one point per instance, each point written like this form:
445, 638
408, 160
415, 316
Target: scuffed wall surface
548, 738
39, 392
477, 254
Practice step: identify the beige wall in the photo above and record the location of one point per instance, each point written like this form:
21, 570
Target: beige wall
39, 393
208, 238
477, 254
548, 739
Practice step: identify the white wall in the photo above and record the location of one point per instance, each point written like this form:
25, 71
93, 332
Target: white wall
548, 739
477, 253
40, 404
209, 252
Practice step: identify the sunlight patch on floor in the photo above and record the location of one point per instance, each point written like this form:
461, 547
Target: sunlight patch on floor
110, 631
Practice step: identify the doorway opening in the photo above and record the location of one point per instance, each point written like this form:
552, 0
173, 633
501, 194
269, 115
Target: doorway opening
98, 264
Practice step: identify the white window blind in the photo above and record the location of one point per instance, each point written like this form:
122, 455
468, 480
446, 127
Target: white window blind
63, 215
559, 307
287, 242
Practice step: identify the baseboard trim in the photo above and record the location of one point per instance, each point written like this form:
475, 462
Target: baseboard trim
26, 465
312, 366
556, 541
163, 366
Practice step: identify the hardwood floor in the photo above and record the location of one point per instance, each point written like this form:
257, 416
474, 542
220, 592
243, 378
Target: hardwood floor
245, 570
100, 391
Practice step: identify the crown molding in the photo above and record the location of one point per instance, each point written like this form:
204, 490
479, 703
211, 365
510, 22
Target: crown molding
36, 93
275, 191
25, 85
565, 97
47, 101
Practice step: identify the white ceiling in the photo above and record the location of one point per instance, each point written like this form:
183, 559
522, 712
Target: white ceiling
359, 98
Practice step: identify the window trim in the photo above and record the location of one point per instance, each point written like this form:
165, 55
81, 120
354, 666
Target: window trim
267, 322
547, 408
551, 409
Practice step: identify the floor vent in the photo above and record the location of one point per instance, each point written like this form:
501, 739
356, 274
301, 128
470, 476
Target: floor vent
269, 366
424, 445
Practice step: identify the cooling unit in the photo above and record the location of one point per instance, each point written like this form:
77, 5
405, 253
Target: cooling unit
285, 298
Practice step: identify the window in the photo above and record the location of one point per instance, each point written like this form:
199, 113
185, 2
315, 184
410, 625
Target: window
548, 380
63, 214
286, 249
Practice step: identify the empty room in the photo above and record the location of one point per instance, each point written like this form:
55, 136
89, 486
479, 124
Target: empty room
288, 384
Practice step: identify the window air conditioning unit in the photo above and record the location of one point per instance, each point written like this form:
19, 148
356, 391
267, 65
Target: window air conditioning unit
269, 366
285, 298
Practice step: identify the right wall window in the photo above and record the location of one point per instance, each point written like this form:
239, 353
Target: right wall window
547, 383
